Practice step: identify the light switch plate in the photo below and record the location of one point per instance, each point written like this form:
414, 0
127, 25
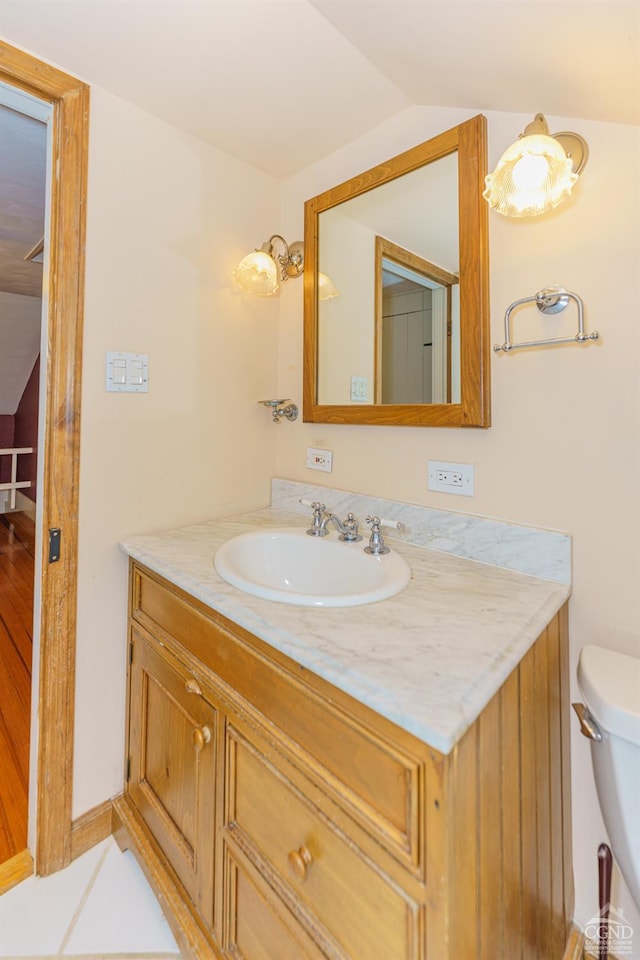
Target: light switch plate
359, 389
127, 372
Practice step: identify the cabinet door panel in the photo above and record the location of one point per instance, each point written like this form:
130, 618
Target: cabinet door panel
172, 749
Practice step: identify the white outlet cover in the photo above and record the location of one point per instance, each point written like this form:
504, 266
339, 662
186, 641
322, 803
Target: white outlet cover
319, 459
466, 470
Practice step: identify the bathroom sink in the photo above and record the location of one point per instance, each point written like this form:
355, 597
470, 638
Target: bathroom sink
287, 565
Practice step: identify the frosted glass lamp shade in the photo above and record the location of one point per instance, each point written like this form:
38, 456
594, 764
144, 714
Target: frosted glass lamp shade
258, 274
326, 287
532, 176
537, 172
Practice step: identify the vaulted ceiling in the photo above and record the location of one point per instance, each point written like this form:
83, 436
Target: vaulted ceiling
282, 83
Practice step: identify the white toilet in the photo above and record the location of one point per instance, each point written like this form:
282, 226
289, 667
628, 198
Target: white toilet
610, 685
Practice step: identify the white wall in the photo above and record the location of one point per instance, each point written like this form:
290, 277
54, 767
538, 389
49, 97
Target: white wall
168, 217
563, 449
346, 324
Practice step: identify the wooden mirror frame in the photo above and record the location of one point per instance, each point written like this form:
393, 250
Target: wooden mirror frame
469, 139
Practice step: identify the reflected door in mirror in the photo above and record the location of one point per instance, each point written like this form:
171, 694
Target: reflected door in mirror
417, 329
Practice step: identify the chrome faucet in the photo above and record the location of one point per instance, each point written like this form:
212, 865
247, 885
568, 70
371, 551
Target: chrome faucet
377, 545
348, 529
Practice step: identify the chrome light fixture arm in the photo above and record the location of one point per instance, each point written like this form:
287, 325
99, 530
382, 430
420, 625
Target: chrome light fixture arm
291, 260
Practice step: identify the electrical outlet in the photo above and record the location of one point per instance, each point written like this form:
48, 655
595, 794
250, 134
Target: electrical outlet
457, 478
448, 478
319, 459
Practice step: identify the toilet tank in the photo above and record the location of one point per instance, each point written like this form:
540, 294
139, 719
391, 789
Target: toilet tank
610, 685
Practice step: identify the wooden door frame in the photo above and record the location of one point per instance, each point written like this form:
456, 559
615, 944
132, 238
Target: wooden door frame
65, 296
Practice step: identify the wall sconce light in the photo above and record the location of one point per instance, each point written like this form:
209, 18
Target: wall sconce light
537, 172
260, 270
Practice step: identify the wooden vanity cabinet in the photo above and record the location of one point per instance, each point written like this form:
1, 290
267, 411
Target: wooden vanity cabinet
279, 819
171, 775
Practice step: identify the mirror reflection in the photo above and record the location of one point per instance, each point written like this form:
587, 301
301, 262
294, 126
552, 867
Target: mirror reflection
393, 253
417, 329
406, 341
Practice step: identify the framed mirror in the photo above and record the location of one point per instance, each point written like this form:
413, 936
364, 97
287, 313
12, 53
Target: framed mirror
396, 302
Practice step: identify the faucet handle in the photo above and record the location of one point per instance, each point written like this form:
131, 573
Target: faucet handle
384, 522
316, 530
315, 505
394, 524
376, 541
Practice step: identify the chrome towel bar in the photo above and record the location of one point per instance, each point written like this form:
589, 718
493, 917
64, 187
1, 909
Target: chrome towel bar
550, 300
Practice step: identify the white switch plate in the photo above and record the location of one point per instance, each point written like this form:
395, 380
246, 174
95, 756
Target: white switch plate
319, 459
456, 478
360, 389
127, 372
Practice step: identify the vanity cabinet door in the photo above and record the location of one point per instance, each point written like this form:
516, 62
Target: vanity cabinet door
173, 735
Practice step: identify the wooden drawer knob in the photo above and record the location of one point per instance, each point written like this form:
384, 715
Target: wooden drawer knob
192, 686
200, 737
299, 860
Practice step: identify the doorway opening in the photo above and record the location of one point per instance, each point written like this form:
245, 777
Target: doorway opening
50, 779
23, 188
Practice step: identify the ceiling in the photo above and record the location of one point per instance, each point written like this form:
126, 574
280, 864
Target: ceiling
282, 83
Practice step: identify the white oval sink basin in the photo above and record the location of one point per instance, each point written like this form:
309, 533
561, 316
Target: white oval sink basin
287, 565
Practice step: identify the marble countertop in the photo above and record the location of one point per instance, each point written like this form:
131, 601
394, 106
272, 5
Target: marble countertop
429, 659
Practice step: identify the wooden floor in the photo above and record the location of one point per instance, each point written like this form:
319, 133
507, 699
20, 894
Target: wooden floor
16, 620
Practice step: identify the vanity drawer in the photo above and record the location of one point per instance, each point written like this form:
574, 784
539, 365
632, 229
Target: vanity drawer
357, 910
375, 771
256, 926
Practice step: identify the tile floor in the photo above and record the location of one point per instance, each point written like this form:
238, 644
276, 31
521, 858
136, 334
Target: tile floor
99, 907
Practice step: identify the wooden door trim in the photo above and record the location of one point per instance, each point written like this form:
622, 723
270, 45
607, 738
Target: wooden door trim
69, 134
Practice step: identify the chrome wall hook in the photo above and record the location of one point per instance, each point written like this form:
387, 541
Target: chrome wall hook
551, 300
281, 408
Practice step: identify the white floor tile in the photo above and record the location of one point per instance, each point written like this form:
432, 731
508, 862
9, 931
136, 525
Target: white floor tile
121, 914
35, 915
